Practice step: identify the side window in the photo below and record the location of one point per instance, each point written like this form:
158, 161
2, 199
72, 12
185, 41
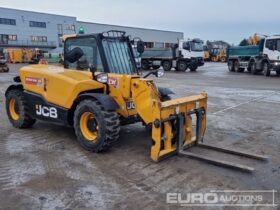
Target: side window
186, 46
82, 54
270, 44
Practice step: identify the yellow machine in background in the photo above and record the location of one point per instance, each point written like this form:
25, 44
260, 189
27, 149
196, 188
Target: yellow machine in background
218, 55
254, 40
20, 55
15, 55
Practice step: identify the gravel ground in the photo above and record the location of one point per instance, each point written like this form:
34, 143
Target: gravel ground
45, 168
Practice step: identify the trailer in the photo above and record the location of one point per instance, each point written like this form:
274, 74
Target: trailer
185, 54
261, 58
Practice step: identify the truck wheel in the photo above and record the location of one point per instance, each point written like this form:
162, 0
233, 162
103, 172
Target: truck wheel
166, 65
236, 66
230, 66
17, 109
266, 69
193, 68
223, 59
182, 66
253, 68
95, 127
145, 65
249, 68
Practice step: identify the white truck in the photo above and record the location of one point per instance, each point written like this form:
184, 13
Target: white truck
263, 57
185, 54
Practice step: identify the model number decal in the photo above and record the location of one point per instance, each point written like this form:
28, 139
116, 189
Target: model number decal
113, 81
46, 111
34, 81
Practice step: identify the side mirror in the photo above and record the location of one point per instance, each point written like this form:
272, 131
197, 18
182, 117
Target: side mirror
74, 55
92, 68
187, 46
140, 47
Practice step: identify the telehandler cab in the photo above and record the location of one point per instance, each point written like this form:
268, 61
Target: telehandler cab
98, 90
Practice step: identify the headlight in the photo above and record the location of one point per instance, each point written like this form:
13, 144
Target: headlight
160, 73
102, 77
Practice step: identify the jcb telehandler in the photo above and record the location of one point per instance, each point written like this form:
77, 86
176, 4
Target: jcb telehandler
98, 90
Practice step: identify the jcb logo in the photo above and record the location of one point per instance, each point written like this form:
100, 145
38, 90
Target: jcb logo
46, 111
130, 105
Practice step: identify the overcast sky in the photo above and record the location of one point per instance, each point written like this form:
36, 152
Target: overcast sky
229, 20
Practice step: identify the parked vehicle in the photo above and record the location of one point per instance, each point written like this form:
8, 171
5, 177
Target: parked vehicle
3, 62
185, 54
263, 57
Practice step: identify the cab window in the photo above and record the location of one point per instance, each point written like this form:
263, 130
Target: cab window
82, 54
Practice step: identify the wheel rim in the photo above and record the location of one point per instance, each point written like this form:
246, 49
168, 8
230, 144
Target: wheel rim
89, 126
182, 66
166, 66
13, 107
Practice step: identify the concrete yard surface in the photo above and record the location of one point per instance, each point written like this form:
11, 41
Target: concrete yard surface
44, 167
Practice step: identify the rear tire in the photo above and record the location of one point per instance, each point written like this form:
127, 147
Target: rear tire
253, 68
236, 66
95, 127
17, 109
193, 68
182, 66
230, 66
145, 65
266, 69
166, 65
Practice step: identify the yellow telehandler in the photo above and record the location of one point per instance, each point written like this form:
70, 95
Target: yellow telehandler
99, 89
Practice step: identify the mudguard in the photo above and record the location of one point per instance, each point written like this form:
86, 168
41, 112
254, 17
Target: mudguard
106, 101
12, 87
165, 91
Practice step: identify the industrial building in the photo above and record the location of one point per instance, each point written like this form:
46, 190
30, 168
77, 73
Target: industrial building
151, 37
26, 29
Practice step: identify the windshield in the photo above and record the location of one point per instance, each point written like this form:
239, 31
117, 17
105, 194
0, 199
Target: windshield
119, 56
90, 56
196, 46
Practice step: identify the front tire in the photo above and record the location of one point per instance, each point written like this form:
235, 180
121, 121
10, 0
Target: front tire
266, 69
95, 127
182, 66
17, 109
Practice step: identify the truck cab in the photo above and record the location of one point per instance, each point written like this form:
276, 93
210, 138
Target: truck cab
193, 50
271, 50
